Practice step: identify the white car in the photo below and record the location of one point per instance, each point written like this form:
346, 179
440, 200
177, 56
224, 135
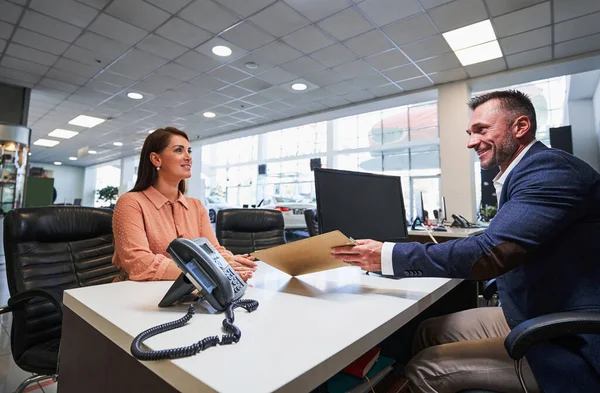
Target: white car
292, 209
215, 203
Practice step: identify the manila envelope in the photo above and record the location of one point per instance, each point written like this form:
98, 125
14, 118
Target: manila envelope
307, 255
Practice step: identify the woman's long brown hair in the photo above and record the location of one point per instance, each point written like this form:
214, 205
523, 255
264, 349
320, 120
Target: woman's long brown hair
155, 143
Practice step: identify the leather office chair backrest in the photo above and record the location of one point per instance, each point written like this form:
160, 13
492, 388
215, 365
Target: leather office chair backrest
312, 224
247, 230
55, 247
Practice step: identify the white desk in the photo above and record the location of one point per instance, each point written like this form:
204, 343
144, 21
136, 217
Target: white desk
305, 330
455, 233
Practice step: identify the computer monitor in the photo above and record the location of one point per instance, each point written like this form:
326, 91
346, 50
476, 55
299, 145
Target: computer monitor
444, 216
420, 214
361, 205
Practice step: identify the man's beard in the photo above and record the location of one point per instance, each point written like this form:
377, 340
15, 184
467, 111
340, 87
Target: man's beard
503, 153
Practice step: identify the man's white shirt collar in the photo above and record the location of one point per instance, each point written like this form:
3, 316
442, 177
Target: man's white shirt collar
501, 177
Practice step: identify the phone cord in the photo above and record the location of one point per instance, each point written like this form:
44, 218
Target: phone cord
233, 337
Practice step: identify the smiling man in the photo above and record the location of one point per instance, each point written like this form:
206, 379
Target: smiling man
541, 246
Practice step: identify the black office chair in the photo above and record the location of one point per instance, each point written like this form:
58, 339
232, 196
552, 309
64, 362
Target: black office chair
50, 249
312, 223
244, 231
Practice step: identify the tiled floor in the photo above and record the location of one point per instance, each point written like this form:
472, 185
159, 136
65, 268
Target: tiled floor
11, 375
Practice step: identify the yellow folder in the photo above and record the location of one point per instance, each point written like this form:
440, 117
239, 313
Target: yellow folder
307, 255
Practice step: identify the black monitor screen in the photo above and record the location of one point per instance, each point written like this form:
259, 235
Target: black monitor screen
361, 205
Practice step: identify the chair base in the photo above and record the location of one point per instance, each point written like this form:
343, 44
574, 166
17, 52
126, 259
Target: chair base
34, 379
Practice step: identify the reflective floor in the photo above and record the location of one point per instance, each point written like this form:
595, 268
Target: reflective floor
11, 375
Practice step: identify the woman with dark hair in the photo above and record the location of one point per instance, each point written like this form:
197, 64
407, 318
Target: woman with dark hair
156, 211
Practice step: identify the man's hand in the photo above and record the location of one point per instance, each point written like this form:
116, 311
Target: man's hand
366, 254
243, 265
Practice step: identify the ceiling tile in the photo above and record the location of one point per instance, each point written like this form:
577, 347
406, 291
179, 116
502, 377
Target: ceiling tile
279, 20
315, 10
343, 87
359, 96
535, 56
207, 83
161, 47
389, 59
324, 78
577, 46
254, 84
277, 52
88, 57
247, 36
346, 24
66, 10
354, 69
523, 20
10, 12
228, 74
156, 84
65, 76
172, 6
234, 92
256, 99
245, 8
567, 9
428, 47
382, 12
97, 43
62, 86
103, 87
415, 83
454, 74
487, 67
428, 4
308, 39
6, 30
177, 71
139, 13
137, 64
19, 75
303, 66
209, 15
77, 67
410, 29
439, 63
578, 27
499, 7
32, 55
369, 43
39, 41
184, 33
459, 13
240, 64
277, 76
97, 4
333, 102
110, 27
115, 79
49, 26
526, 41
370, 80
408, 71
23, 65
334, 55
197, 62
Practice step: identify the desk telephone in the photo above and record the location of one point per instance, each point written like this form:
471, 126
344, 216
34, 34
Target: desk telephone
460, 221
204, 269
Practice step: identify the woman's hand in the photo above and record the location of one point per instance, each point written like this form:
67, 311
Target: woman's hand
244, 265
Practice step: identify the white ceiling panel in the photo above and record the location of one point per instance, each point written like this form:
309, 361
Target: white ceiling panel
303, 66
137, 64
58, 85
40, 41
279, 20
156, 84
578, 27
228, 74
208, 83
334, 55
415, 83
116, 29
370, 80
97, 4
235, 92
247, 36
276, 53
66, 10
88, 57
197, 62
114, 79
10, 12
523, 20
33, 55
428, 47
403, 72
77, 68
487, 67
209, 16
324, 78
334, 102
526, 41
567, 9
6, 30
428, 4
23, 65
177, 71
254, 84
19, 75
66, 76
2, 44
315, 10
354, 69
410, 29
246, 8
499, 7
534, 56
390, 59
308, 39
139, 13
439, 63
51, 27
382, 12
577, 46
183, 32
161, 47
449, 75
369, 43
346, 24
277, 75
104, 87
457, 14
97, 43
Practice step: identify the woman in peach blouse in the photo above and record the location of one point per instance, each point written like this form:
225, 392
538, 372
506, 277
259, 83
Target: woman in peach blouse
156, 211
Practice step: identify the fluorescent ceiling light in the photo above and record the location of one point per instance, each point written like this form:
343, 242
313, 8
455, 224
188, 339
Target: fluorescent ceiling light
299, 86
92, 152
221, 50
118, 143
57, 163
210, 115
479, 53
46, 143
73, 158
29, 153
475, 34
135, 96
65, 134
86, 121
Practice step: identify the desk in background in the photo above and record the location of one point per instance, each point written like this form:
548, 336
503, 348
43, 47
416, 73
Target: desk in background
305, 330
450, 234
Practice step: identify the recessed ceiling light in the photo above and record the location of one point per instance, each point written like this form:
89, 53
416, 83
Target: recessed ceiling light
299, 86
57, 163
29, 153
92, 152
479, 53
135, 96
210, 115
65, 134
46, 142
221, 50
73, 158
86, 121
118, 143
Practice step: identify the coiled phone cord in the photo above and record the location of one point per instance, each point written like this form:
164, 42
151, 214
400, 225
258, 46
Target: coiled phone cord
233, 337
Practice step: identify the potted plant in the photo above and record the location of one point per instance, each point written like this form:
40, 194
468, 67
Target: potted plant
108, 194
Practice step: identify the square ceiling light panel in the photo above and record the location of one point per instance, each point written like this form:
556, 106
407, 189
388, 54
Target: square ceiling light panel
475, 43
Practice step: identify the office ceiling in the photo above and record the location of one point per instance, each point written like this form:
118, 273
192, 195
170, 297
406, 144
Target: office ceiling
83, 57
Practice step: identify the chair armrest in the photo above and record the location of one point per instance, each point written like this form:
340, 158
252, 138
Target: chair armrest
548, 327
52, 295
490, 289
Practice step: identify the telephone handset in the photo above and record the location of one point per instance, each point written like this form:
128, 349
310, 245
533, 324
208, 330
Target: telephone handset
205, 269
460, 221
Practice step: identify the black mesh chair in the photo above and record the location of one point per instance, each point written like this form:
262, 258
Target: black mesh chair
48, 250
244, 231
312, 224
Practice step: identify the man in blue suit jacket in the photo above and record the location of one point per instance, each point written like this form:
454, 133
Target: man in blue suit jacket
542, 246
